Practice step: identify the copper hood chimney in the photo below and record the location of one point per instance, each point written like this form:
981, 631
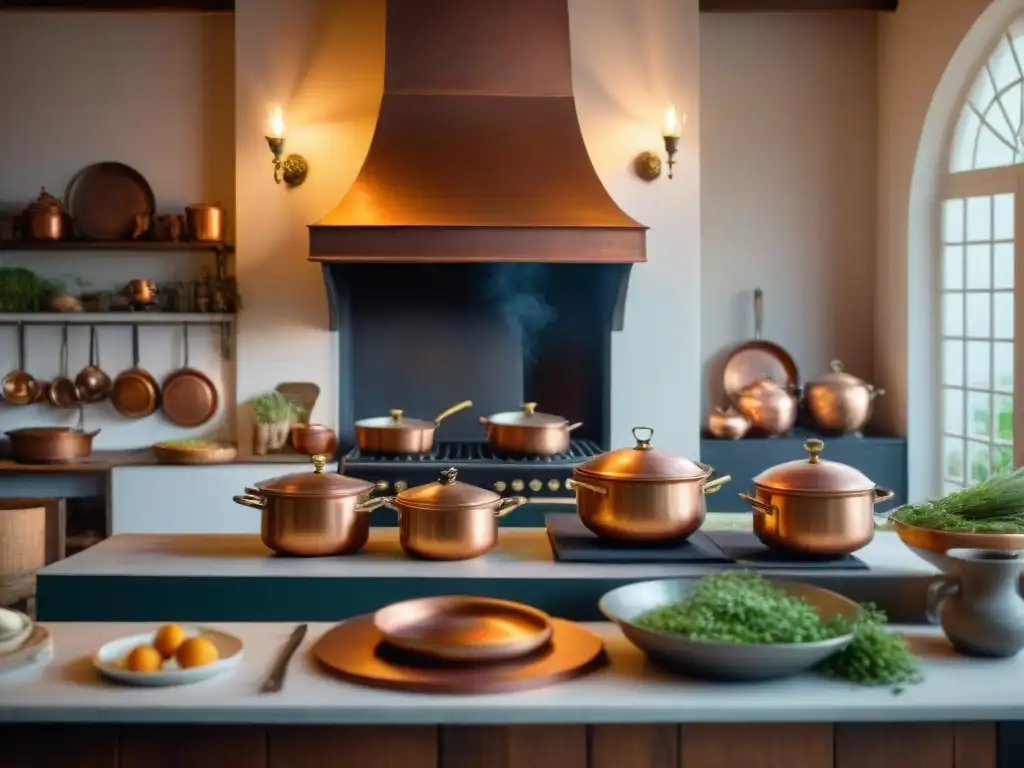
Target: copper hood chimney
477, 155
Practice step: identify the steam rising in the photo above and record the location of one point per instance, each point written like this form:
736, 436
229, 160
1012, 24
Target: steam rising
518, 290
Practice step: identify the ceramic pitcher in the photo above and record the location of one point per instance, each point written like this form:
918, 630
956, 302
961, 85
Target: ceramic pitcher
978, 604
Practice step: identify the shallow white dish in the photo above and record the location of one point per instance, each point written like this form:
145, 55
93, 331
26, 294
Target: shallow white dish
34, 648
109, 659
9, 643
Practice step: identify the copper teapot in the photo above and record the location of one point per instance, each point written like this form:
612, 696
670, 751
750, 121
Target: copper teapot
770, 407
44, 218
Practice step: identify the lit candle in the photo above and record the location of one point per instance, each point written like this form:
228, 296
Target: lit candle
672, 125
276, 123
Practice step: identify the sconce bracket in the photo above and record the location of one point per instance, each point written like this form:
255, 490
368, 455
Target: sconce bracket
276, 144
648, 166
294, 169
671, 147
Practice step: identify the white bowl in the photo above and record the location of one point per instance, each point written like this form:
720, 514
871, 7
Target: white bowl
110, 659
11, 643
36, 648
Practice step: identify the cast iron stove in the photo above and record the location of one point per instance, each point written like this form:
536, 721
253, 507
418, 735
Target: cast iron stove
537, 477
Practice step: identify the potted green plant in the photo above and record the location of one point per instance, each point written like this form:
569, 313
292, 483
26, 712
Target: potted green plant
274, 415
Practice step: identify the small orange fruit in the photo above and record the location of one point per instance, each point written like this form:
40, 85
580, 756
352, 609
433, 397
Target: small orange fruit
196, 652
145, 658
168, 638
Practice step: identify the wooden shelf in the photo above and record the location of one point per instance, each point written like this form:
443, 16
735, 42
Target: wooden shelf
136, 246
116, 318
737, 6
209, 6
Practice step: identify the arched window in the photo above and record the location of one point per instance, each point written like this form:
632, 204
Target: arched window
982, 216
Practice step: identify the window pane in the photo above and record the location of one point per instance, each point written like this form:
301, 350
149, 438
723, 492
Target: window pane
1002, 459
1002, 363
953, 221
953, 314
953, 363
992, 151
979, 267
979, 365
1003, 65
978, 315
978, 462
1002, 206
953, 267
979, 218
979, 414
953, 458
1002, 265
1002, 310
964, 140
1004, 419
953, 411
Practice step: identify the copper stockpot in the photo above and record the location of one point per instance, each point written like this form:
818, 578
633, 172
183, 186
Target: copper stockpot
398, 434
727, 423
205, 223
769, 406
312, 513
642, 494
527, 432
449, 519
815, 507
841, 402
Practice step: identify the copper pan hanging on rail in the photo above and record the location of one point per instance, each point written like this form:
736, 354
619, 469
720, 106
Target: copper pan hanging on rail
752, 361
190, 398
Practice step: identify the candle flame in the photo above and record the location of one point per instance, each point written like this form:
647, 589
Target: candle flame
277, 123
672, 122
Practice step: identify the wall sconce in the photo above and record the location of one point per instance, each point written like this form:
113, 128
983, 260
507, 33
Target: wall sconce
293, 168
648, 164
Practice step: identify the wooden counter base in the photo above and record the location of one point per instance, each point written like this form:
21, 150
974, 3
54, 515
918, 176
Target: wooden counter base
906, 745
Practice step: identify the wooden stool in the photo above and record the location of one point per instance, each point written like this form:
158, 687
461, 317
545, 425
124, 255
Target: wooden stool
22, 552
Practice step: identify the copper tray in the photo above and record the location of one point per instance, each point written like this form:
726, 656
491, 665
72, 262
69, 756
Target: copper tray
106, 201
356, 652
464, 628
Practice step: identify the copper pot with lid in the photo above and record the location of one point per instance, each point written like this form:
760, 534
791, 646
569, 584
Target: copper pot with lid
312, 513
44, 218
643, 494
841, 402
726, 423
396, 433
815, 507
449, 519
529, 432
769, 406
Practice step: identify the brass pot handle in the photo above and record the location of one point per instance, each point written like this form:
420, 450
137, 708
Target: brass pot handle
573, 427
883, 494
505, 506
573, 484
452, 411
759, 506
250, 500
714, 486
708, 469
370, 504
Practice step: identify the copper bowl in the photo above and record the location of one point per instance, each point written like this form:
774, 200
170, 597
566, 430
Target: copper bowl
932, 545
313, 439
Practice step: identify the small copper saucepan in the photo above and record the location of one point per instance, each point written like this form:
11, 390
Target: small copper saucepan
398, 434
92, 381
19, 386
136, 393
527, 432
63, 392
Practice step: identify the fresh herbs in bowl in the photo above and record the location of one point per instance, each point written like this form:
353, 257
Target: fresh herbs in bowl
745, 608
995, 505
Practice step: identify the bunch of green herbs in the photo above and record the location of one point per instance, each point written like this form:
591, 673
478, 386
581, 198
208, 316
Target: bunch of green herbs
745, 608
995, 505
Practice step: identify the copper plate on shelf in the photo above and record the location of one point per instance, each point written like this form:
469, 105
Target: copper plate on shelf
106, 200
464, 628
356, 651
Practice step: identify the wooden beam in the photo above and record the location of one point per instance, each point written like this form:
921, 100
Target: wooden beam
118, 5
771, 6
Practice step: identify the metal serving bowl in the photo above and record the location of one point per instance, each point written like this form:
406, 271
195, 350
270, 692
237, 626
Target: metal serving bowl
722, 661
931, 545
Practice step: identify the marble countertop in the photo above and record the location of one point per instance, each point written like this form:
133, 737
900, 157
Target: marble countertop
628, 690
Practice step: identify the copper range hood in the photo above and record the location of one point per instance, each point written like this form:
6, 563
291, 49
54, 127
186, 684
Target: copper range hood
477, 154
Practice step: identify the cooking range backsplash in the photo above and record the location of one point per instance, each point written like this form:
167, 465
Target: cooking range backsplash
422, 337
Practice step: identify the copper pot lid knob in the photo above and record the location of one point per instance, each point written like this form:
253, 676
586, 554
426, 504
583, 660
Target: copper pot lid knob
529, 408
448, 476
396, 414
319, 462
814, 447
643, 443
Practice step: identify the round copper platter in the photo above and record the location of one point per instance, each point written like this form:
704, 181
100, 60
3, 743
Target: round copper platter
461, 627
104, 199
356, 652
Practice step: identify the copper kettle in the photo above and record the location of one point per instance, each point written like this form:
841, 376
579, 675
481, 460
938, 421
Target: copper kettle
44, 218
769, 406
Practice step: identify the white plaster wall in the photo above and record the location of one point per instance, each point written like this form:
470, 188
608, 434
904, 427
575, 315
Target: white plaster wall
928, 53
788, 187
150, 90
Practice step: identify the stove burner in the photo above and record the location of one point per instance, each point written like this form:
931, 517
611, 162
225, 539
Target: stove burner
475, 453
